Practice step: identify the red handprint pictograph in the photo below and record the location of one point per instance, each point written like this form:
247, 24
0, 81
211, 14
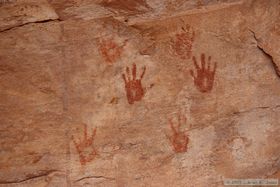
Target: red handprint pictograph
179, 139
204, 78
110, 50
85, 147
182, 43
133, 87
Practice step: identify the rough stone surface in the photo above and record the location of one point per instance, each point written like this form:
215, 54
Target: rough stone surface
23, 12
139, 93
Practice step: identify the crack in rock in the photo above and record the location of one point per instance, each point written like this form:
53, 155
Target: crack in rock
266, 53
256, 108
21, 25
94, 177
30, 177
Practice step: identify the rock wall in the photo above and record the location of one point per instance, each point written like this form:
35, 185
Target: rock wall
139, 93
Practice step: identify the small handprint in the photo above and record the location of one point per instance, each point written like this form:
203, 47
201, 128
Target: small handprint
85, 147
204, 78
134, 89
182, 43
179, 139
110, 50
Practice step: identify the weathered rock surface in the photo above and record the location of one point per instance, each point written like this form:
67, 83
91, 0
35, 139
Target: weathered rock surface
18, 13
139, 93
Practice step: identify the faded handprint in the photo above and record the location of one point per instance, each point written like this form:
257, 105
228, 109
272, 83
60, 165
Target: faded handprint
179, 139
204, 78
182, 43
85, 147
134, 89
110, 50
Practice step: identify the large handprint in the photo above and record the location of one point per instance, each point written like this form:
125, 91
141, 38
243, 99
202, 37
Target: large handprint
85, 147
204, 78
133, 87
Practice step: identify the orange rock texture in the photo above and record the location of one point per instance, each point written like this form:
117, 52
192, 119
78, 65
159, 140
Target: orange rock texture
134, 93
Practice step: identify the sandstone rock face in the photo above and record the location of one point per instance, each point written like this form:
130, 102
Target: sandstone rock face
139, 93
23, 12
